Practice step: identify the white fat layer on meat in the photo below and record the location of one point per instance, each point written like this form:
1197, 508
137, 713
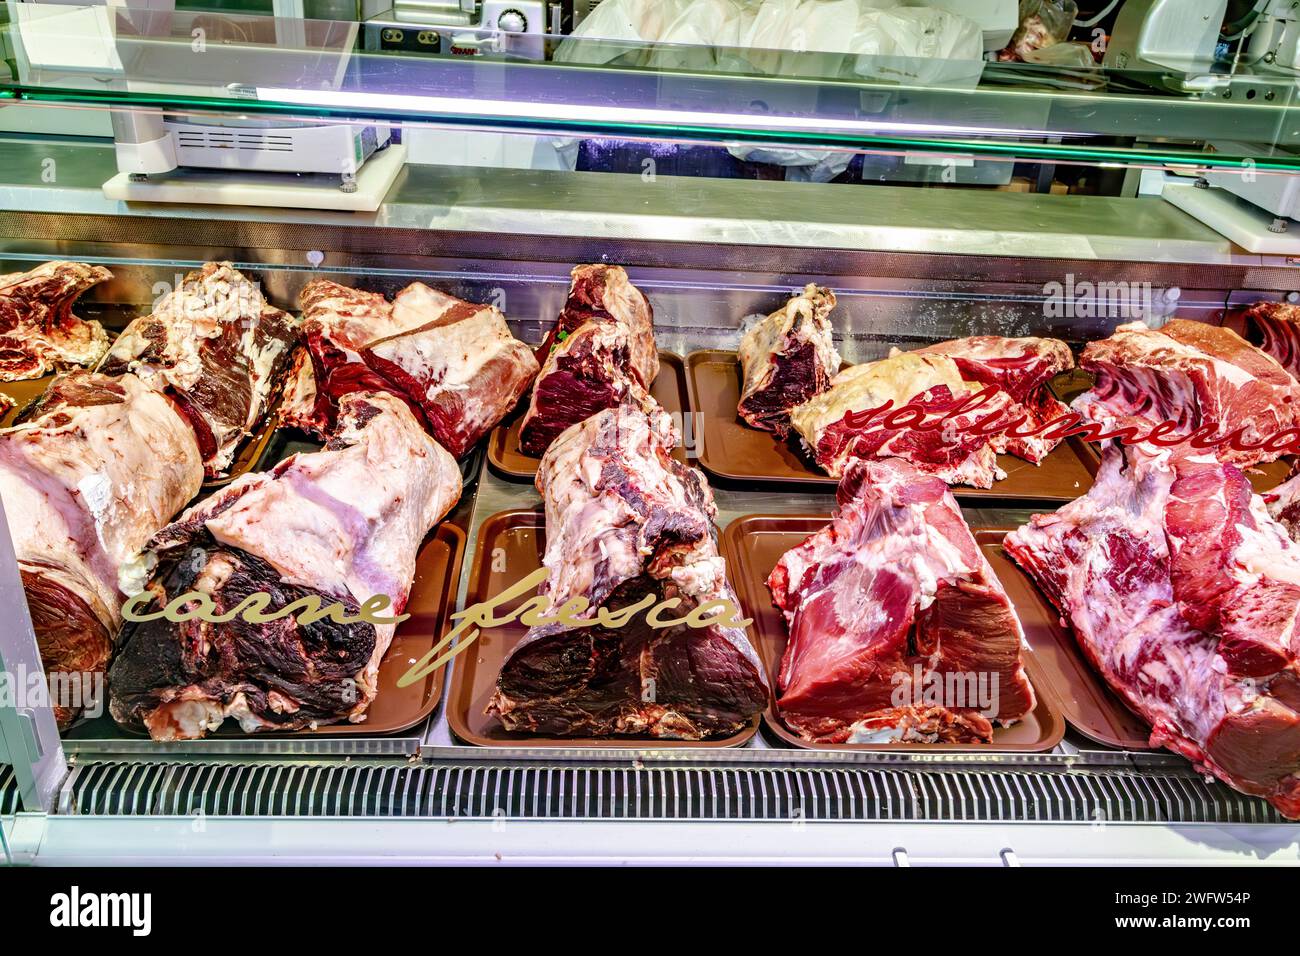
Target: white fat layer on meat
83, 498
862, 733
346, 521
1264, 552
898, 380
452, 356
207, 305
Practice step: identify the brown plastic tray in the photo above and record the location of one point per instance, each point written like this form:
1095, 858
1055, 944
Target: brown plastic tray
1089, 705
730, 449
1072, 384
668, 389
432, 601
755, 543
23, 393
510, 546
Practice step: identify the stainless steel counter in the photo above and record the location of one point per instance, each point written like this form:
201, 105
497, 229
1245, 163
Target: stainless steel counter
65, 177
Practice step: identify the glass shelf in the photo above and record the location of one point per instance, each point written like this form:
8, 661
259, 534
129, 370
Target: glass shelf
263, 67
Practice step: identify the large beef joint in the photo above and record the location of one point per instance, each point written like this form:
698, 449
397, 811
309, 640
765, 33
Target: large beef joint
97, 468
455, 363
1201, 378
625, 521
898, 628
1276, 327
786, 359
38, 332
849, 420
1183, 593
1021, 367
344, 524
216, 348
602, 354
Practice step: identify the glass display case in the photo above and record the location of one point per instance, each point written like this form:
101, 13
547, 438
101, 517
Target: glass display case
935, 171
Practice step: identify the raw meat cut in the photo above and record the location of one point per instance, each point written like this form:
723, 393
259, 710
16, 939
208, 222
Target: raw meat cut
1021, 367
98, 467
851, 419
1183, 594
601, 354
38, 332
453, 362
1206, 380
625, 522
1274, 324
343, 524
591, 370
1283, 504
786, 359
898, 628
1017, 366
600, 293
218, 349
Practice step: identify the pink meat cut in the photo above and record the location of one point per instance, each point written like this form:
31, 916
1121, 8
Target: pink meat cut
1183, 593
455, 363
38, 332
851, 419
1206, 380
600, 355
1276, 326
898, 628
1021, 367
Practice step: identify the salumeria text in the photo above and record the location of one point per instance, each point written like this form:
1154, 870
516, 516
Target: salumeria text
918, 418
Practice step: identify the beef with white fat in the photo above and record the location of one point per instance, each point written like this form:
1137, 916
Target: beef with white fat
898, 628
1183, 593
1275, 326
851, 419
786, 358
343, 524
216, 347
97, 468
601, 354
38, 332
626, 522
1206, 381
1021, 367
455, 363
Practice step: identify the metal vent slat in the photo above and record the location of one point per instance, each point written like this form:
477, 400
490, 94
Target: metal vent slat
325, 789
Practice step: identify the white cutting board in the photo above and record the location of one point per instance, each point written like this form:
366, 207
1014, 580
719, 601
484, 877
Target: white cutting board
281, 190
1235, 219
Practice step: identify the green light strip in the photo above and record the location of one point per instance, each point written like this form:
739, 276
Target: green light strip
865, 143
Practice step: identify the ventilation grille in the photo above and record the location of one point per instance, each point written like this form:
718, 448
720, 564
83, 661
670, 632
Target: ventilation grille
9, 796
234, 139
335, 789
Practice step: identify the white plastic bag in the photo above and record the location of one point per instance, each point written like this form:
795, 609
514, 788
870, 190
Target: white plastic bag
894, 41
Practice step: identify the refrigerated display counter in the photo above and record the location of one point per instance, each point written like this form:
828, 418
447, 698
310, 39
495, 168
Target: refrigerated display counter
464, 269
